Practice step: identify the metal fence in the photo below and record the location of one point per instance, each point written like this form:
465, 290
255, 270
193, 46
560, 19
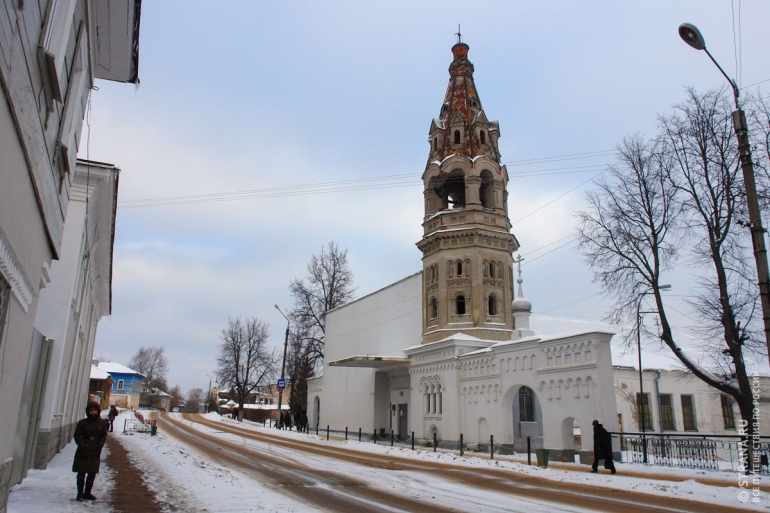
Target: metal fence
708, 452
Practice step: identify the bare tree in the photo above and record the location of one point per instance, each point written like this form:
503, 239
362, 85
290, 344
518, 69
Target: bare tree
299, 368
194, 401
152, 363
245, 362
329, 284
177, 397
675, 197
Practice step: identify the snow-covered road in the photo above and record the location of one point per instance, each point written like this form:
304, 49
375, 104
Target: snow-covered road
206, 463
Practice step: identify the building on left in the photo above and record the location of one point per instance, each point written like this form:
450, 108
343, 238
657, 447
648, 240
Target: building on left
57, 215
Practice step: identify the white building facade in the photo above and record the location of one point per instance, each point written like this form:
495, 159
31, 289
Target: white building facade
51, 51
71, 306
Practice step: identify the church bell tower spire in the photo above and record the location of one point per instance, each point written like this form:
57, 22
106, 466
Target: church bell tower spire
467, 244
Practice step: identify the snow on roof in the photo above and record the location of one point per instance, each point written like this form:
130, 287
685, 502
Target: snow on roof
117, 368
553, 326
97, 373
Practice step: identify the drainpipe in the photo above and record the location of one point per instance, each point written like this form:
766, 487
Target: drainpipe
657, 398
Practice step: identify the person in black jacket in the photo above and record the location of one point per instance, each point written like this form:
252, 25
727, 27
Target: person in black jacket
602, 448
90, 435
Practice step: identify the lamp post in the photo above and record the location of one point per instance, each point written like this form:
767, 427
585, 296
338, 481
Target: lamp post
641, 382
278, 412
692, 36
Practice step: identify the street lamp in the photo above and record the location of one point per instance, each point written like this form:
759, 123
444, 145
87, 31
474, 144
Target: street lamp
283, 368
641, 382
692, 36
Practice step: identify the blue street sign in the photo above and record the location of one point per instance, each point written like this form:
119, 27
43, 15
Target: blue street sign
281, 384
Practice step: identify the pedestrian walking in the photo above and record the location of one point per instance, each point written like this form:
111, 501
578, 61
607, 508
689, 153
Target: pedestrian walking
602, 448
302, 422
111, 416
90, 435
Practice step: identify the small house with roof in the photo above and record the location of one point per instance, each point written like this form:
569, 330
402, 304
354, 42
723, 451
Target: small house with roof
127, 386
99, 387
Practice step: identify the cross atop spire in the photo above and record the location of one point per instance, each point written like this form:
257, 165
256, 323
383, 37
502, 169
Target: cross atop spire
458, 34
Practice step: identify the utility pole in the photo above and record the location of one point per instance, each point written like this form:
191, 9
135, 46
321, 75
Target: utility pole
278, 412
692, 36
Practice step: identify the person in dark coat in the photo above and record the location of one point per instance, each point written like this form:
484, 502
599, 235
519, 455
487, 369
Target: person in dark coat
111, 416
90, 435
602, 448
302, 422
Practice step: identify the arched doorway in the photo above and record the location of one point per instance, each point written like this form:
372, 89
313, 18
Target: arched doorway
527, 417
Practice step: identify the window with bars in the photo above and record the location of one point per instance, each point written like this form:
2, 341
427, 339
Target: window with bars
667, 412
727, 412
688, 413
643, 411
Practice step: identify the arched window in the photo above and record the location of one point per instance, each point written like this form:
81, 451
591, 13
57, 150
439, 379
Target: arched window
492, 304
483, 137
491, 269
433, 308
435, 144
526, 405
460, 302
459, 268
457, 137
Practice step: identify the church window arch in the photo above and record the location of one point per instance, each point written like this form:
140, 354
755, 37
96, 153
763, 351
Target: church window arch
492, 304
450, 269
483, 137
459, 268
457, 137
526, 405
492, 268
439, 399
435, 144
467, 268
484, 268
486, 191
500, 270
433, 308
460, 304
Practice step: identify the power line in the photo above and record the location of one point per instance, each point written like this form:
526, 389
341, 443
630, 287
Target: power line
558, 158
557, 198
361, 184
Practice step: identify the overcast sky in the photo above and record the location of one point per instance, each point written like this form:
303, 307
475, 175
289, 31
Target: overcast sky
249, 96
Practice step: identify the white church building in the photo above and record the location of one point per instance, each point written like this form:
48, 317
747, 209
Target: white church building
450, 350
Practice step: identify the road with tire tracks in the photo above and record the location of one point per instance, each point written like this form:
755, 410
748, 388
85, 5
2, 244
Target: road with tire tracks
365, 481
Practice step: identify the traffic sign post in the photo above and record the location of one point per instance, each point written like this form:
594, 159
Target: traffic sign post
281, 384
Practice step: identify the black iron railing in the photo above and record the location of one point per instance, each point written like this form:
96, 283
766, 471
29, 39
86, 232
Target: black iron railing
708, 452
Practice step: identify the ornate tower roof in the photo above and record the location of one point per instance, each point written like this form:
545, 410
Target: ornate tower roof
462, 128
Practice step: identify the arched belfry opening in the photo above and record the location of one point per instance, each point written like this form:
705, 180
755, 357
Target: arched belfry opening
449, 191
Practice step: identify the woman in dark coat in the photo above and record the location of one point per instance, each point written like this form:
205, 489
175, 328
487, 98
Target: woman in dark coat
90, 435
602, 448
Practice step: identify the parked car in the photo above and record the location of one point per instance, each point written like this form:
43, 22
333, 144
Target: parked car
176, 409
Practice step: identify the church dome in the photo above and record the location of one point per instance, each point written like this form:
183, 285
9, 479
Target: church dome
521, 304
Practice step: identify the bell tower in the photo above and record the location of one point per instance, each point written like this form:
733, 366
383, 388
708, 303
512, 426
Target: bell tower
467, 244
